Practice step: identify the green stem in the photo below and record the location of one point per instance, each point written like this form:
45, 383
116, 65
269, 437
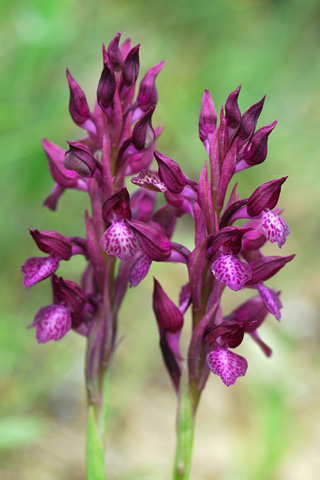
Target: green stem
96, 433
185, 430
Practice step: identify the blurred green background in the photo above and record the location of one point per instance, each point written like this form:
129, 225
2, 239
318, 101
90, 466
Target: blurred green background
265, 427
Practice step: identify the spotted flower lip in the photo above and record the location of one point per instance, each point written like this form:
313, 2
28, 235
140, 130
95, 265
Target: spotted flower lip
229, 366
52, 322
231, 271
149, 180
120, 241
274, 228
36, 269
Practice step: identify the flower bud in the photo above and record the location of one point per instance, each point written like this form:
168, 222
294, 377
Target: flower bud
143, 134
249, 120
106, 88
256, 151
80, 159
131, 67
114, 54
168, 315
78, 106
208, 117
265, 196
52, 243
148, 95
233, 114
170, 173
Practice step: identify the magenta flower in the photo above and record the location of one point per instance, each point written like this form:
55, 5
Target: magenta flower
52, 323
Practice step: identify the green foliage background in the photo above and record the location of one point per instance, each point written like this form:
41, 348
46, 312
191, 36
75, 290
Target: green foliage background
266, 427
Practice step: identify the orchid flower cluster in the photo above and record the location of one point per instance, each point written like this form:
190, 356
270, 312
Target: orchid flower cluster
126, 232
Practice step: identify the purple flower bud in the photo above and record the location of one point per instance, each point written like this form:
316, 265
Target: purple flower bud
80, 159
170, 173
52, 243
51, 323
117, 207
78, 105
227, 365
139, 269
106, 88
68, 293
233, 114
114, 54
149, 180
256, 151
148, 95
131, 67
265, 196
274, 228
231, 271
266, 267
155, 245
168, 315
36, 269
208, 117
60, 174
119, 240
249, 120
271, 300
143, 134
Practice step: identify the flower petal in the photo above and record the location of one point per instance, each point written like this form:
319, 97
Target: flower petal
274, 228
150, 180
139, 269
231, 271
270, 299
119, 240
228, 365
52, 322
36, 269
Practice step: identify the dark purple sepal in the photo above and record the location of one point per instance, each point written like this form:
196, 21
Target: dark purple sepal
114, 54
208, 117
256, 151
228, 237
117, 207
152, 241
67, 292
264, 347
249, 120
52, 243
168, 315
78, 106
233, 114
229, 332
249, 314
266, 267
166, 216
80, 159
148, 95
230, 211
106, 88
131, 67
52, 199
265, 196
142, 204
170, 173
143, 134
